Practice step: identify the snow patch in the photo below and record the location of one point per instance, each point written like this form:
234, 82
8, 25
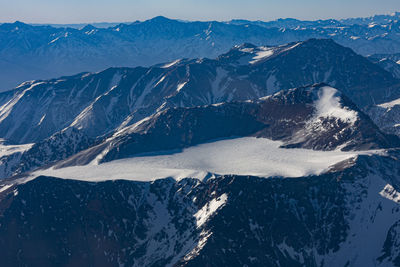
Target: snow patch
328, 105
390, 104
54, 40
6, 150
180, 86
204, 235
160, 81
5, 187
209, 209
263, 53
91, 32
247, 50
42, 119
390, 193
168, 65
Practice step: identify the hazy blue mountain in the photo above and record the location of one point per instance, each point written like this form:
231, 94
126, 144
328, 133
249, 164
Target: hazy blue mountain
41, 52
295, 23
82, 25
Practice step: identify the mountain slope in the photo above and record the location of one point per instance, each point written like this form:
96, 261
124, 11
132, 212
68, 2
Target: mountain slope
387, 63
387, 116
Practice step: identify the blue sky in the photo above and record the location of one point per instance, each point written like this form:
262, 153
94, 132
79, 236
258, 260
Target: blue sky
85, 11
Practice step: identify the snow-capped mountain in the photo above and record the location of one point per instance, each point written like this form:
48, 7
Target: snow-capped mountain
84, 109
317, 117
202, 198
198, 213
101, 102
232, 161
42, 52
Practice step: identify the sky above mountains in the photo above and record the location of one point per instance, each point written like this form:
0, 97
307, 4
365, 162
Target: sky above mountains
86, 11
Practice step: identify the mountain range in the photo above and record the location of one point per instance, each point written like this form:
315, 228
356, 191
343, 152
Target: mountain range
41, 52
64, 116
267, 154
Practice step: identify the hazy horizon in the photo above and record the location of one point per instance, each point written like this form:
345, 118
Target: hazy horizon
105, 11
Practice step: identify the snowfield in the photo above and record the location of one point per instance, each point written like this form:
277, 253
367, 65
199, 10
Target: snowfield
241, 156
391, 104
6, 150
264, 53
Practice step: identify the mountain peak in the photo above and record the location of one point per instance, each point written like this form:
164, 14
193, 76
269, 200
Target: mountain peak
20, 23
320, 42
88, 27
15, 25
160, 19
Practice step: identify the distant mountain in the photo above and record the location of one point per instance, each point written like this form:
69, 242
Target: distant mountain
83, 25
295, 23
373, 20
391, 63
40, 52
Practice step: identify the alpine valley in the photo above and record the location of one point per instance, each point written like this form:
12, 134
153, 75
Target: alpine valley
280, 148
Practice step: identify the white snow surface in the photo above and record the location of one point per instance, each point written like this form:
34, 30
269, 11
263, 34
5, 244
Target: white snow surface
328, 106
209, 209
241, 156
168, 65
263, 53
180, 86
390, 104
5, 187
6, 150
